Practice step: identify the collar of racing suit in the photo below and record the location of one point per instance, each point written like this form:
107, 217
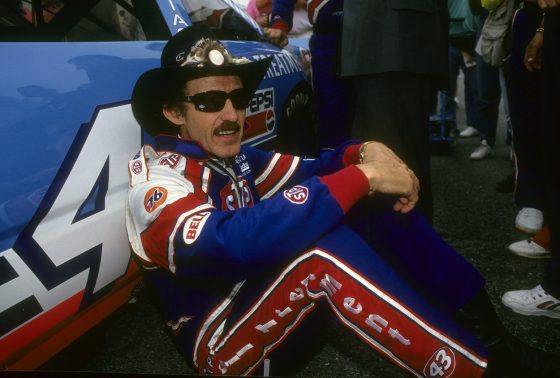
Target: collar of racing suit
182, 146
189, 149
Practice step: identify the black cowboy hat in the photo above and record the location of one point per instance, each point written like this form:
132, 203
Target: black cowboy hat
192, 53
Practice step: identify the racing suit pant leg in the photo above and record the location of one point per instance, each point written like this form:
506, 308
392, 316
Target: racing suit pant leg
362, 291
411, 245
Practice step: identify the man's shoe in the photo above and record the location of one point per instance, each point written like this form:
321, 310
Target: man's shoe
535, 302
529, 220
512, 358
529, 248
468, 131
507, 355
482, 151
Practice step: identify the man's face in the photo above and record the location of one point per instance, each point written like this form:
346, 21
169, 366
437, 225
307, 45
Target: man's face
220, 132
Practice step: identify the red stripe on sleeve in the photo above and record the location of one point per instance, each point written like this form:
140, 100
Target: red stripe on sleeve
278, 172
347, 186
280, 24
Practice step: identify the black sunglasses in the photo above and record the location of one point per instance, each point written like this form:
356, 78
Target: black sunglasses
214, 101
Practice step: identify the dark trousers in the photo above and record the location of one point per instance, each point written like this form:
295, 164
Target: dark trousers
525, 104
332, 95
447, 97
393, 108
488, 101
551, 138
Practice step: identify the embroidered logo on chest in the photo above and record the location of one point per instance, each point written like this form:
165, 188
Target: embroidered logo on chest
233, 199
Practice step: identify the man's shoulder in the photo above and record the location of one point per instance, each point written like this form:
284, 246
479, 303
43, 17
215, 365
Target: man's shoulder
150, 164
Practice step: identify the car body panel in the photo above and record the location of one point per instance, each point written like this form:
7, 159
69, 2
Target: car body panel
68, 133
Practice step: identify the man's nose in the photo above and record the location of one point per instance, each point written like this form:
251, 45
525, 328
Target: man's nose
228, 112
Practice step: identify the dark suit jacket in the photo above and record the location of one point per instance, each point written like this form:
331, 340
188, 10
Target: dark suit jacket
394, 36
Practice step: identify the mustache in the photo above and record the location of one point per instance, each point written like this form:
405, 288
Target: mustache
228, 126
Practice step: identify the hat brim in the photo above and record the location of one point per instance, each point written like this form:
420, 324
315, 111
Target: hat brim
153, 87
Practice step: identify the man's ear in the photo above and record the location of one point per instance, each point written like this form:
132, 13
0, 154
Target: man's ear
173, 115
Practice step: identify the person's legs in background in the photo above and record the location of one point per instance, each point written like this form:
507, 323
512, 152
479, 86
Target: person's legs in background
332, 97
394, 108
488, 106
446, 98
544, 299
468, 65
551, 137
525, 98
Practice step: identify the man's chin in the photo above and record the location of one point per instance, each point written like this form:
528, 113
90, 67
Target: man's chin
227, 152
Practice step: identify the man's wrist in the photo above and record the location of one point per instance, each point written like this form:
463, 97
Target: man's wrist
347, 195
540, 29
362, 152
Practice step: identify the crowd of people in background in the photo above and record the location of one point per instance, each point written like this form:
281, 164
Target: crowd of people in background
507, 51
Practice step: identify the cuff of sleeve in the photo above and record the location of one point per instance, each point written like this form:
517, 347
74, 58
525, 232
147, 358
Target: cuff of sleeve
347, 186
351, 155
280, 24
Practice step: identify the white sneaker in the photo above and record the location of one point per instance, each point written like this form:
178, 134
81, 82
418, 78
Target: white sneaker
482, 151
532, 302
528, 248
529, 220
468, 131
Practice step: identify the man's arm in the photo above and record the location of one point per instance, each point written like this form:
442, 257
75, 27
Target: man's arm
533, 51
188, 236
349, 153
280, 22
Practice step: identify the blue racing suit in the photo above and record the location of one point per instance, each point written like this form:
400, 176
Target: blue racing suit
242, 251
332, 96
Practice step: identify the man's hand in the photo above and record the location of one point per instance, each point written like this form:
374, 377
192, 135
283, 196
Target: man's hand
277, 36
546, 4
532, 59
391, 177
375, 151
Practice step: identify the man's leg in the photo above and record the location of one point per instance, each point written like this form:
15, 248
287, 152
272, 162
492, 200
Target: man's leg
470, 87
524, 96
363, 293
332, 95
443, 277
551, 96
411, 245
489, 96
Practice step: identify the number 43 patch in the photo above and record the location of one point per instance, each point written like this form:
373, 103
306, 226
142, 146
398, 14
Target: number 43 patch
441, 364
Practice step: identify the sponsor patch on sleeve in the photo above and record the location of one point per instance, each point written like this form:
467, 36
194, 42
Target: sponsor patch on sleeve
297, 195
136, 167
193, 226
154, 198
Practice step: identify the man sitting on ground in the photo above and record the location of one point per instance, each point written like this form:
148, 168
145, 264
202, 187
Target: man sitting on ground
246, 250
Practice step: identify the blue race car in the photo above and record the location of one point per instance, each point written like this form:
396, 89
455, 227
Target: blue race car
67, 72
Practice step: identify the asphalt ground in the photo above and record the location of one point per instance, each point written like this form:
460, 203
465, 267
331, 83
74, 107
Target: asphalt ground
469, 213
